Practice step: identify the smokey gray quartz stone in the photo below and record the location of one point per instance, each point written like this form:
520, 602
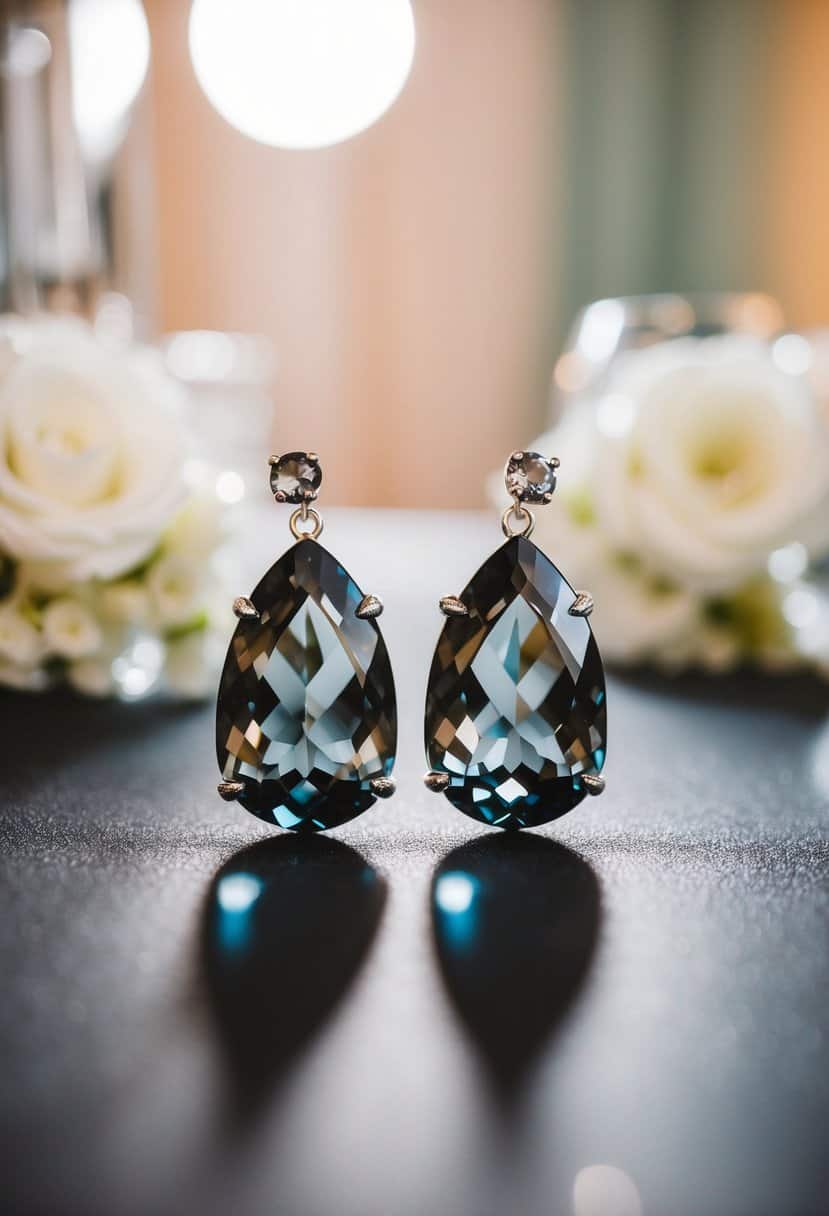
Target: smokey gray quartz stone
530, 477
516, 709
306, 714
295, 477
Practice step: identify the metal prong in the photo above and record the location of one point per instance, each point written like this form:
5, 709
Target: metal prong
450, 605
312, 457
554, 461
383, 787
230, 790
369, 607
244, 609
593, 783
517, 456
582, 605
436, 782
547, 498
272, 460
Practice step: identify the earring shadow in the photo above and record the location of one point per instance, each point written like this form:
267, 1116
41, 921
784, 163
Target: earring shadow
515, 921
287, 926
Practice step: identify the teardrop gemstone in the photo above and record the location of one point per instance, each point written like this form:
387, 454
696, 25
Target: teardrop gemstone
515, 706
306, 713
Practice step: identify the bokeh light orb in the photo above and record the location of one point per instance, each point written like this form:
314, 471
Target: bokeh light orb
301, 73
109, 44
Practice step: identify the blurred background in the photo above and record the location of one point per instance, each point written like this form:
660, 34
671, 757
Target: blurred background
413, 237
416, 283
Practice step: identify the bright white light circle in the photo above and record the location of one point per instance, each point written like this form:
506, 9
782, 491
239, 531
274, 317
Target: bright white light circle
454, 892
792, 354
604, 1190
238, 892
230, 487
301, 73
109, 44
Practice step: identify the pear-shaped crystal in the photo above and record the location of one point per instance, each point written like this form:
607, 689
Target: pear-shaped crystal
306, 713
515, 707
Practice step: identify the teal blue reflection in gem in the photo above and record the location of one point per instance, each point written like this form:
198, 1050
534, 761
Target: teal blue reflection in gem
455, 893
236, 895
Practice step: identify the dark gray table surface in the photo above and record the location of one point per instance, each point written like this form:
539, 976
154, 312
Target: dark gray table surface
634, 1019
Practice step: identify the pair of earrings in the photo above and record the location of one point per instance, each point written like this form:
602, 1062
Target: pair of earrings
516, 720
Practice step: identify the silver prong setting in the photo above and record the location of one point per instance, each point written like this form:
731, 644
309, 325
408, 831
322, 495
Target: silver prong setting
582, 605
230, 790
451, 605
383, 787
436, 782
369, 607
245, 609
593, 783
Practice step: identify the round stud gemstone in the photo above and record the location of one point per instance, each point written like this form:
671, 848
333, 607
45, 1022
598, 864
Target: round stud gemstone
295, 477
530, 477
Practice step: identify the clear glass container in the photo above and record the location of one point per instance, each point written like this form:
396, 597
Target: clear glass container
228, 380
606, 328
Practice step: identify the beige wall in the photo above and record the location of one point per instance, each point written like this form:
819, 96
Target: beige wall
798, 177
405, 277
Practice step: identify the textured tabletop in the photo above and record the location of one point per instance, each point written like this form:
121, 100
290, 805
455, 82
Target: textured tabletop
634, 1020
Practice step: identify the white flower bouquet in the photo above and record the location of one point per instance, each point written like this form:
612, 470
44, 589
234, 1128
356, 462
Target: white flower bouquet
106, 571
693, 498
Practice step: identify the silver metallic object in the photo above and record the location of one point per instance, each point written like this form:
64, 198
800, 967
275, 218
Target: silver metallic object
244, 609
519, 512
300, 516
383, 787
370, 606
582, 605
451, 605
230, 790
436, 782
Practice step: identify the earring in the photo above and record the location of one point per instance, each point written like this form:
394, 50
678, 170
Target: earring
516, 718
306, 716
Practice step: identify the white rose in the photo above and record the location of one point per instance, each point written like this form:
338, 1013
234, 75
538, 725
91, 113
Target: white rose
27, 679
92, 677
90, 453
70, 630
20, 642
198, 528
126, 602
707, 457
176, 586
193, 664
678, 564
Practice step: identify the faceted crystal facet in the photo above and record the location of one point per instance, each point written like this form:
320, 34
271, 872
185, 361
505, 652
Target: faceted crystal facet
306, 713
295, 477
515, 708
530, 477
